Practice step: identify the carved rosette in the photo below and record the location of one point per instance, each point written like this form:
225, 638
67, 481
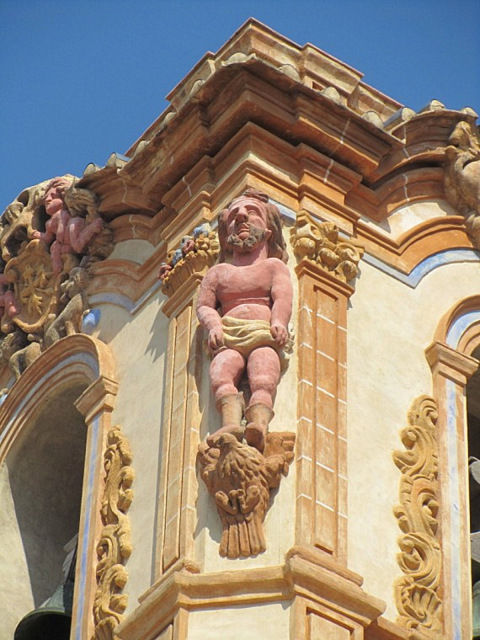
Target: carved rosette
417, 592
196, 254
114, 547
319, 243
240, 479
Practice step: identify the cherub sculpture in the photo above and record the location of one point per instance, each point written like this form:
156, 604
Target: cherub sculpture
66, 233
245, 305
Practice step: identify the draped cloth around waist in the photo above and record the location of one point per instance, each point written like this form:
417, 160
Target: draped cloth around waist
244, 336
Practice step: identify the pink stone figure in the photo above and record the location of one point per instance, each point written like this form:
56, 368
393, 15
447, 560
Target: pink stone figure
66, 234
8, 301
245, 306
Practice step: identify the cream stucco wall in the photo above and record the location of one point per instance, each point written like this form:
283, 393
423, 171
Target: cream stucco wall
138, 341
240, 623
389, 326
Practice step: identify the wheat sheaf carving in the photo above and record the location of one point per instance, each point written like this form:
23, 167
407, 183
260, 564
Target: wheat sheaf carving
416, 592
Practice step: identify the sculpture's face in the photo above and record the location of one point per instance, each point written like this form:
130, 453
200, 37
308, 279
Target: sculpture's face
53, 201
247, 223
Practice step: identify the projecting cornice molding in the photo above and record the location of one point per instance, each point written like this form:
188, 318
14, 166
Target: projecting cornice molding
300, 95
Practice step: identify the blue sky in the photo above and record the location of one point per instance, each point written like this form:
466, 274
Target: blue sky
81, 79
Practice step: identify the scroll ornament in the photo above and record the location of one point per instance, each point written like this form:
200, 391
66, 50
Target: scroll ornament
462, 177
319, 243
240, 479
49, 238
196, 253
417, 592
114, 547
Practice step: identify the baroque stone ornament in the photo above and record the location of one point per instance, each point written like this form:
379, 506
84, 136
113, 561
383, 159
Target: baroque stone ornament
319, 243
114, 547
240, 479
49, 237
196, 254
245, 305
462, 177
417, 592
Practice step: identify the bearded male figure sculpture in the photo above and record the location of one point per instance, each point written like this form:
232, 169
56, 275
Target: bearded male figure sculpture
246, 305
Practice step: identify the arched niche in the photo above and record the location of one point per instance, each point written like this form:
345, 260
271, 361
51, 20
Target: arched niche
52, 435
454, 360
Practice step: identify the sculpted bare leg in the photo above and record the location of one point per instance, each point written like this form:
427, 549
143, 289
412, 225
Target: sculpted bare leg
263, 371
225, 372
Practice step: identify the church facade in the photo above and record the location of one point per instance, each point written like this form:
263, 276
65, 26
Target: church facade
240, 367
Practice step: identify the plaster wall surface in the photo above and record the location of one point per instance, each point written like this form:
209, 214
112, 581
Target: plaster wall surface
389, 327
139, 343
240, 623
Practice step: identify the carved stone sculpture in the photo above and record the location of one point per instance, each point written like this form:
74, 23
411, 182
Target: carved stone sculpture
196, 254
462, 177
114, 547
245, 306
43, 277
240, 479
66, 233
417, 592
74, 296
319, 243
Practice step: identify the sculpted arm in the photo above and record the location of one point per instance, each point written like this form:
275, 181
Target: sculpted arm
207, 310
282, 299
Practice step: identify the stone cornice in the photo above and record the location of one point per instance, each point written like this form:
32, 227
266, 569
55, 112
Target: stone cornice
304, 574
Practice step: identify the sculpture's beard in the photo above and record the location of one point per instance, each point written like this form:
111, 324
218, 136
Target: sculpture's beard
243, 245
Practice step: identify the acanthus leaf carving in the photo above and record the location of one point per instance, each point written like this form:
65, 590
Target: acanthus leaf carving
417, 592
114, 547
319, 243
240, 479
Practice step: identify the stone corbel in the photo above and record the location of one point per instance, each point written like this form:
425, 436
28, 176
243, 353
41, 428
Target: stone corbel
240, 479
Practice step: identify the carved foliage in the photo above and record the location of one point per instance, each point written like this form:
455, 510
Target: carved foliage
416, 592
114, 547
319, 243
240, 478
196, 254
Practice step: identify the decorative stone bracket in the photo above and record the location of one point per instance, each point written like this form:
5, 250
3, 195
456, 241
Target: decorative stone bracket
240, 479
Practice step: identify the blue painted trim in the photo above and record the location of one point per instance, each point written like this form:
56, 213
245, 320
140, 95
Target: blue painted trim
449, 256
80, 588
459, 327
454, 496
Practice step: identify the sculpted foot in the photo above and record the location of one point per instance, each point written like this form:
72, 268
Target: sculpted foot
258, 416
255, 436
235, 429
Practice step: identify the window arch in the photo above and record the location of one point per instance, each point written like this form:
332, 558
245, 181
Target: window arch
53, 425
453, 358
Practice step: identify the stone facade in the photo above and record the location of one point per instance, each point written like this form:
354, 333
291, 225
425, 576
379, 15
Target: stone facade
333, 525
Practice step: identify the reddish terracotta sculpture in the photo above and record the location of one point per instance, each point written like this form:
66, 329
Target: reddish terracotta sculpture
66, 234
245, 306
